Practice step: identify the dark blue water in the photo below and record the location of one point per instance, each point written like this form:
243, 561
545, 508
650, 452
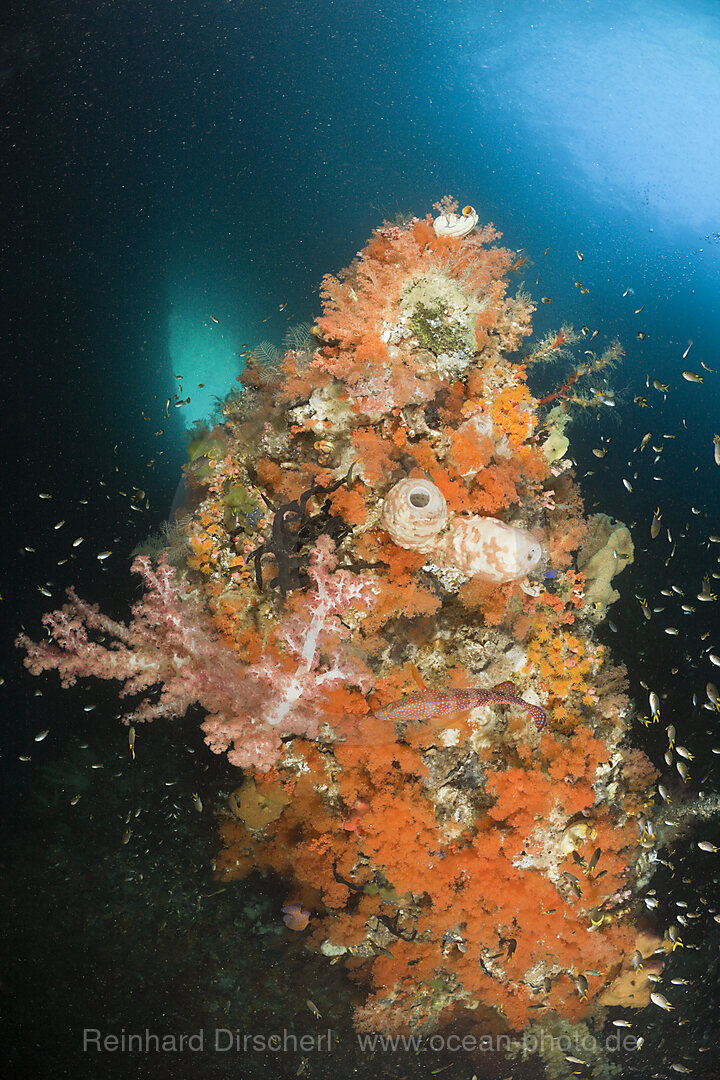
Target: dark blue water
176, 179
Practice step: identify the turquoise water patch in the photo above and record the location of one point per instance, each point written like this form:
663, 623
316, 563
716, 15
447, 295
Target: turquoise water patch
203, 344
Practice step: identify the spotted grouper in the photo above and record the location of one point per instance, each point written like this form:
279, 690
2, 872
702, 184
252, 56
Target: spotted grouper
431, 703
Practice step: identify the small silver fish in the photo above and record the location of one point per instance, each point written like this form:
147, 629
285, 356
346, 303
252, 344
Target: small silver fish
674, 935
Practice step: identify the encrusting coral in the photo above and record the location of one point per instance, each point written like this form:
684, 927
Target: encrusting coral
373, 511
606, 551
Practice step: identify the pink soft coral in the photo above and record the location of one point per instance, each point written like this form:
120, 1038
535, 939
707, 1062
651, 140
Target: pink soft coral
171, 643
168, 628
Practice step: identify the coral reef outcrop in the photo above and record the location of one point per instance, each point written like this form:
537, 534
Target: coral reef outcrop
378, 514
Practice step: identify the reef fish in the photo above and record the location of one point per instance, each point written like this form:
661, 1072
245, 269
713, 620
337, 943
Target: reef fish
429, 703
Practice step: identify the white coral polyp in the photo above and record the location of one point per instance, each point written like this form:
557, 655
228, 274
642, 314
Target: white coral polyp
490, 549
414, 513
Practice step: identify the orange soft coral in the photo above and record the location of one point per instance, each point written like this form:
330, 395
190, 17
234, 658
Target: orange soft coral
512, 414
564, 536
470, 454
350, 504
495, 488
374, 455
401, 593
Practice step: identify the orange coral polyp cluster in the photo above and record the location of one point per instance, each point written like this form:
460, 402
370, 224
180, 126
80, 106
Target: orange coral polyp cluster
512, 413
564, 665
447, 861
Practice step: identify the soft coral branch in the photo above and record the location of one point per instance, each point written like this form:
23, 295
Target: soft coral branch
311, 634
169, 643
172, 644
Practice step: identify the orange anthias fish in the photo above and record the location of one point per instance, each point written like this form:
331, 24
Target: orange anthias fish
429, 703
